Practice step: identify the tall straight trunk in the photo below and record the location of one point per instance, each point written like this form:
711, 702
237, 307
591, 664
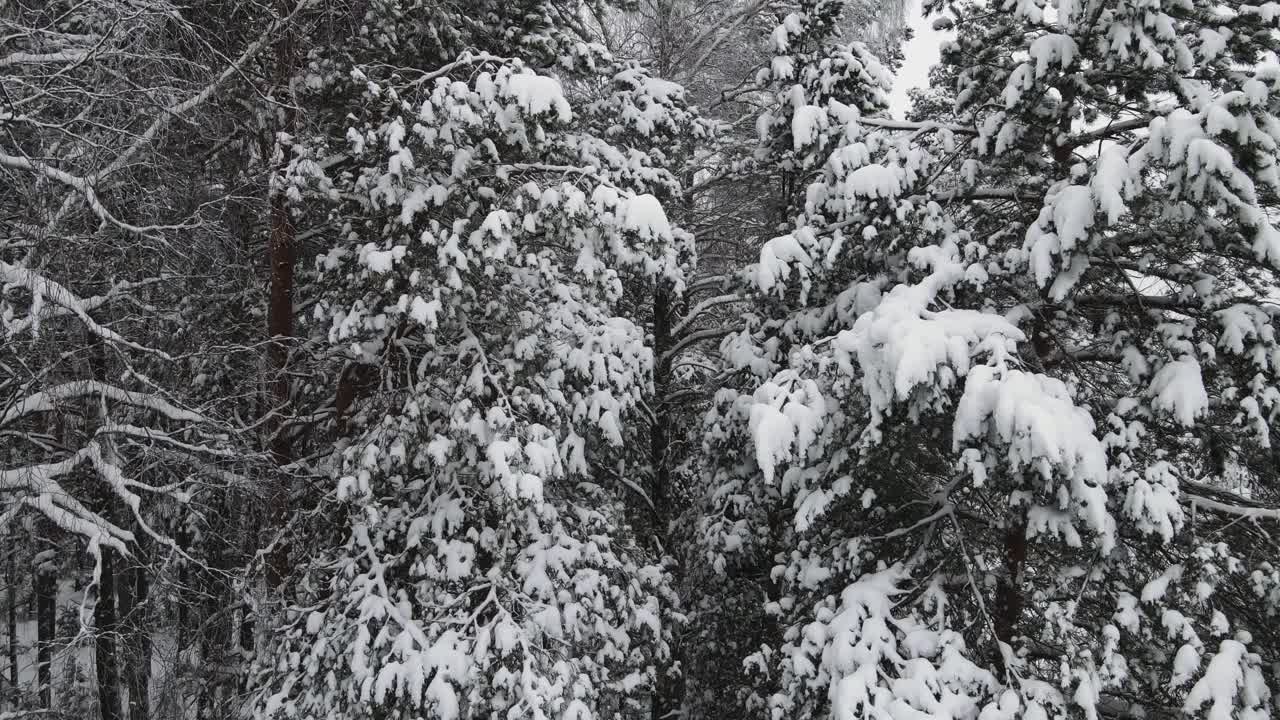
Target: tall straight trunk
282, 250
132, 590
1009, 599
106, 630
280, 327
46, 596
667, 691
283, 255
11, 598
659, 432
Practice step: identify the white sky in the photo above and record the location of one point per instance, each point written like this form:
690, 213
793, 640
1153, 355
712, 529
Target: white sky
921, 54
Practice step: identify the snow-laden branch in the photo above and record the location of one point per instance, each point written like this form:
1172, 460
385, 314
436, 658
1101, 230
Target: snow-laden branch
1242, 511
702, 307
37, 486
1158, 302
26, 58
82, 186
45, 289
466, 58
144, 433
1197, 494
85, 186
715, 35
987, 193
710, 282
887, 124
47, 400
39, 489
692, 338
1102, 133
89, 304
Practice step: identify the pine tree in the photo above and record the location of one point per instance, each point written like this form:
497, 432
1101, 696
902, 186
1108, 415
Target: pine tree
490, 197
1021, 422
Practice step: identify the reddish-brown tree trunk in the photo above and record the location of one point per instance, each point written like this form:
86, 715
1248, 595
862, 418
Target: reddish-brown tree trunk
282, 252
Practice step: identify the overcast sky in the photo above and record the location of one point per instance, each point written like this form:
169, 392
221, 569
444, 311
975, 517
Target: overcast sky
921, 54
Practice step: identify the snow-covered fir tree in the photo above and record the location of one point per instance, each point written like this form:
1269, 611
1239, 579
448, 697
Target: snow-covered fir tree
1020, 423
495, 195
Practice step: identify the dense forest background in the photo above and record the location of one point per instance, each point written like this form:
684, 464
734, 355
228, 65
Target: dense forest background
615, 359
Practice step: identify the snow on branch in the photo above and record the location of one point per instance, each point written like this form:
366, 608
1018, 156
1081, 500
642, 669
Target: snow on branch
146, 433
39, 489
1243, 511
47, 400
236, 68
26, 58
42, 289
886, 124
79, 184
702, 307
85, 186
1197, 494
693, 338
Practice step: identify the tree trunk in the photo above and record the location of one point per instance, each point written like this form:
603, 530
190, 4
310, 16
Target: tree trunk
280, 328
132, 591
659, 436
667, 693
106, 630
282, 251
1009, 589
11, 597
280, 318
46, 595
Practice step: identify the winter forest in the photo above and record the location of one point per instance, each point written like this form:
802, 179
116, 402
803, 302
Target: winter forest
621, 359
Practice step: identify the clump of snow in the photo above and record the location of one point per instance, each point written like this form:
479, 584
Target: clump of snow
1233, 685
784, 423
381, 261
902, 345
1053, 48
426, 312
643, 214
537, 94
776, 259
1063, 224
1178, 389
1112, 182
873, 181
1043, 432
1152, 501
806, 122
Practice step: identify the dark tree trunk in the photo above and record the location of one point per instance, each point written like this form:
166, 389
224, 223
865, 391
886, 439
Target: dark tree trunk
11, 598
107, 629
659, 432
667, 692
280, 328
280, 318
46, 596
282, 251
1009, 589
132, 590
